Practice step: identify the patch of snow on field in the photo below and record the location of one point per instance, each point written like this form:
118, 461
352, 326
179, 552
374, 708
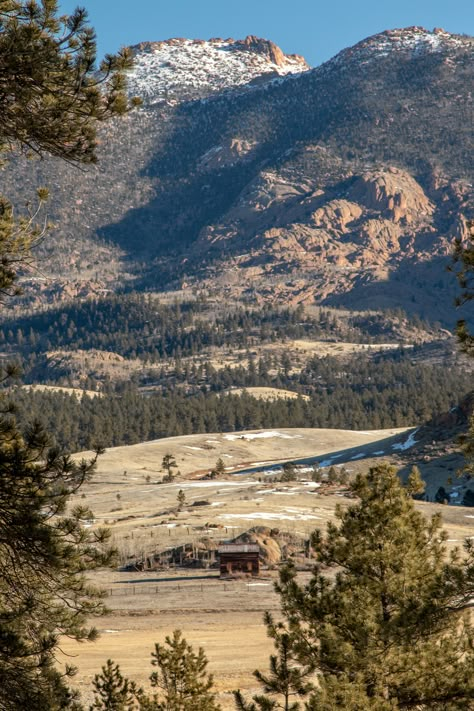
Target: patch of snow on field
326, 462
270, 517
296, 509
218, 484
302, 489
260, 435
409, 442
288, 492
188, 446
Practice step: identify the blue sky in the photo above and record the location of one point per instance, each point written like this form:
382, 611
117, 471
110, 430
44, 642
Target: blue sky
317, 30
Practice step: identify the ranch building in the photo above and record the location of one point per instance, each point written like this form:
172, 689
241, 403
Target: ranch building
237, 559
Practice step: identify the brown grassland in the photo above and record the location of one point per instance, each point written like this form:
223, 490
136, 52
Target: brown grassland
224, 617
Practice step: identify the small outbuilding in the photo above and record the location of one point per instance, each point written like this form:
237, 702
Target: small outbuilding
239, 559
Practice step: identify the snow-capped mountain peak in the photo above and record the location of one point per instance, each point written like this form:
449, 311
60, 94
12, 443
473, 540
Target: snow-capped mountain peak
408, 41
183, 69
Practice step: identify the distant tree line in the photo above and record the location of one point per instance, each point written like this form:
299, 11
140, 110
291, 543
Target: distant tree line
366, 395
139, 326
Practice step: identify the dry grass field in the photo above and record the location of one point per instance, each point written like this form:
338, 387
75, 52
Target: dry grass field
326, 348
225, 617
80, 364
58, 389
300, 351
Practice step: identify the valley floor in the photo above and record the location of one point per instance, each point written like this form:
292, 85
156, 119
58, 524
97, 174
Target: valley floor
224, 617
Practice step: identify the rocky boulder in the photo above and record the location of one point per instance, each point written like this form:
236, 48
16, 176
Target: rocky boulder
394, 193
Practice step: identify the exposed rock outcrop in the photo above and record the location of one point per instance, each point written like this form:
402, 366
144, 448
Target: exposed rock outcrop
270, 50
392, 192
337, 215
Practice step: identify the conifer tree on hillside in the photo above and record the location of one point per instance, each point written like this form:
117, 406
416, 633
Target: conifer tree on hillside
391, 630
181, 678
113, 691
289, 472
51, 99
286, 679
180, 682
44, 553
181, 499
219, 468
168, 463
464, 257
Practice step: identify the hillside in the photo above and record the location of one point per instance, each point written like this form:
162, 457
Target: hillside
184, 70
257, 178
146, 522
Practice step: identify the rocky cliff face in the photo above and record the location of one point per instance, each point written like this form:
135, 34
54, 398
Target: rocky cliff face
360, 230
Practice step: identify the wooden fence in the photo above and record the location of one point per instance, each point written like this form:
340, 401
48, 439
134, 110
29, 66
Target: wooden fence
193, 588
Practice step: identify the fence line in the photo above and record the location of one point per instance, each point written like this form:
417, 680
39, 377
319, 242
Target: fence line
156, 589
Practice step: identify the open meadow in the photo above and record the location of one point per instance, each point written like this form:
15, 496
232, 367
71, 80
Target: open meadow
225, 617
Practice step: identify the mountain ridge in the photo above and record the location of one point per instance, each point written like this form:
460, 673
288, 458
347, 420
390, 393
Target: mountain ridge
182, 69
185, 188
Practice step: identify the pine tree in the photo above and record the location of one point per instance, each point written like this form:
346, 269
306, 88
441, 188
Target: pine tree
220, 467
113, 691
181, 677
52, 99
464, 257
442, 496
168, 463
289, 472
287, 678
181, 499
468, 498
391, 629
44, 553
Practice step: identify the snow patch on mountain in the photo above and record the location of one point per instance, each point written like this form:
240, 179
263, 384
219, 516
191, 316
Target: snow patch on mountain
408, 443
409, 41
181, 69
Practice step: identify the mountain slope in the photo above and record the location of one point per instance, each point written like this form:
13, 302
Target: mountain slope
183, 70
345, 183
